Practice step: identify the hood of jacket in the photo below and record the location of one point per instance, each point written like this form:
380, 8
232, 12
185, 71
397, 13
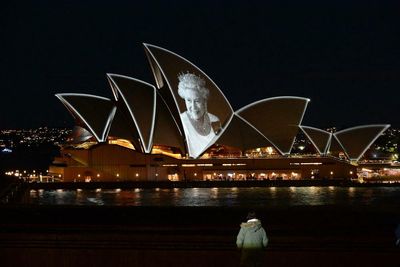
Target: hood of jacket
253, 224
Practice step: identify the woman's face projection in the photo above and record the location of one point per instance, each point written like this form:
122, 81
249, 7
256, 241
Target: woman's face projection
195, 104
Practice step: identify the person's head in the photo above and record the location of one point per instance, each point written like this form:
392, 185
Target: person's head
192, 89
251, 215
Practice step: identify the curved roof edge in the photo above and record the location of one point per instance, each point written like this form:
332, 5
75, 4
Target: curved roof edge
155, 68
258, 131
148, 52
303, 127
106, 129
307, 100
384, 128
271, 98
147, 147
146, 45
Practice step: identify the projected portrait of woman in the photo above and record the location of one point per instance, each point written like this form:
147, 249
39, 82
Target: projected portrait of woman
199, 125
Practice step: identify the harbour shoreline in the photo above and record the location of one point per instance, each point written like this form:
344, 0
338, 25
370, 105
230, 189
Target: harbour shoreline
204, 184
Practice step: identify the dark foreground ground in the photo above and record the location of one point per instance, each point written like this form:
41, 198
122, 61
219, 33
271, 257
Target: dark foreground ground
199, 236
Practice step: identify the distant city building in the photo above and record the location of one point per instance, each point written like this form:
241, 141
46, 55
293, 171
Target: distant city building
19, 138
184, 128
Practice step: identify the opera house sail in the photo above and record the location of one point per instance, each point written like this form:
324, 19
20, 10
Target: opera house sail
204, 111
184, 128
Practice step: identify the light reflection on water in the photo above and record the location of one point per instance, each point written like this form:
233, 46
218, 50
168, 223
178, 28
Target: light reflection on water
259, 197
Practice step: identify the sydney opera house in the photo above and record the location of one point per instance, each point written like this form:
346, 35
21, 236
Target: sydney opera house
184, 128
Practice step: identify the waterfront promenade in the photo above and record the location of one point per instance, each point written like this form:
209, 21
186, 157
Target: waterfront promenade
196, 236
73, 235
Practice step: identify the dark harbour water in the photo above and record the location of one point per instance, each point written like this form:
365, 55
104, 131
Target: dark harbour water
262, 197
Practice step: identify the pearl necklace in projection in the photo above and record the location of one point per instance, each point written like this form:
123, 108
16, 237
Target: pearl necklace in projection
202, 126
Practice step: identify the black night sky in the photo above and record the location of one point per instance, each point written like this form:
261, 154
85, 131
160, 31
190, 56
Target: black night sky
343, 55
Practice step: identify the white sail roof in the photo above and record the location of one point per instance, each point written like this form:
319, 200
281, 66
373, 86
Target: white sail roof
95, 112
277, 118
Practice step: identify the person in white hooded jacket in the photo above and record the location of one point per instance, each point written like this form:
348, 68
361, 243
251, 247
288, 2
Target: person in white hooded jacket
251, 240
